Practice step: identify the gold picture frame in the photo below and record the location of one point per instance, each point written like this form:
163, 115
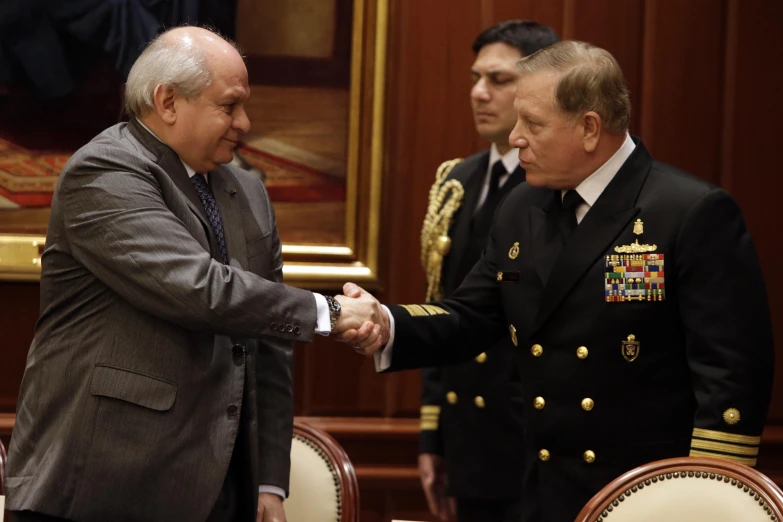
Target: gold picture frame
309, 265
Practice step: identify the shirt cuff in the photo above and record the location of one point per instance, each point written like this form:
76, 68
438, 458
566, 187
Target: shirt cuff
383, 357
323, 325
273, 489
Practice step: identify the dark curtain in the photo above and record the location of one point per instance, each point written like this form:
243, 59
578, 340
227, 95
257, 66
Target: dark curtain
48, 43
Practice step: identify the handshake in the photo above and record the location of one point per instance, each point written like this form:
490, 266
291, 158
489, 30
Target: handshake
363, 322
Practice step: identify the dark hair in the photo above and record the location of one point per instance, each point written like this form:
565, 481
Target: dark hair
525, 35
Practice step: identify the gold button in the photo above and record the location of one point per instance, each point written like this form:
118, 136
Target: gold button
536, 350
581, 352
451, 397
587, 404
589, 457
480, 358
731, 416
479, 401
543, 454
539, 403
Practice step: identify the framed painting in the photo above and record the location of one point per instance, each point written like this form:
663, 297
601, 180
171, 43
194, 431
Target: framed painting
316, 70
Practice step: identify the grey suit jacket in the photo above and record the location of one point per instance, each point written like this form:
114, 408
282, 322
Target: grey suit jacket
148, 349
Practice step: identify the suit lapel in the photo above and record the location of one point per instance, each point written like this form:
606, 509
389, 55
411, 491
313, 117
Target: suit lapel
172, 165
460, 230
545, 242
605, 220
225, 188
515, 179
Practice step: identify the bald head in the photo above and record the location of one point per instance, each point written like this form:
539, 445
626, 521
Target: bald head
182, 59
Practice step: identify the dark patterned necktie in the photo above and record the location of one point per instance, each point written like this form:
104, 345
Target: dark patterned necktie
213, 213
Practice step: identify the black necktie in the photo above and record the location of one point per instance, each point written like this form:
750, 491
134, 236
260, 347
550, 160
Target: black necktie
498, 169
482, 219
212, 211
567, 221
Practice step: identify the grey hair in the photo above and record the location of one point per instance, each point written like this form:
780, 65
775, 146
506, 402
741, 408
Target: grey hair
590, 80
179, 65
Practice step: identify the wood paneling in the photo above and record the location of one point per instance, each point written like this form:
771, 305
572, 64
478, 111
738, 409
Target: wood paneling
703, 76
752, 138
588, 22
19, 302
682, 92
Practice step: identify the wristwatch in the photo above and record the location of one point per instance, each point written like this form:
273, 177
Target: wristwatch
334, 311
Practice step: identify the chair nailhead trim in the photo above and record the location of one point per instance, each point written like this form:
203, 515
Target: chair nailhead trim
669, 476
335, 477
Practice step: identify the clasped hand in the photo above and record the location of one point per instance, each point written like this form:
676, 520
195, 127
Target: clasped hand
363, 322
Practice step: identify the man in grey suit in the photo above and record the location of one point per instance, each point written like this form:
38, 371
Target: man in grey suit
158, 385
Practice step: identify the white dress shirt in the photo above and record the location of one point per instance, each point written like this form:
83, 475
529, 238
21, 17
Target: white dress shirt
594, 185
589, 189
510, 160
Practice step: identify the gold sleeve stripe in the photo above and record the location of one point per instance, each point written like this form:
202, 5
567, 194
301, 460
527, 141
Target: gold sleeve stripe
741, 460
721, 436
430, 409
433, 416
415, 310
724, 447
435, 310
429, 425
424, 310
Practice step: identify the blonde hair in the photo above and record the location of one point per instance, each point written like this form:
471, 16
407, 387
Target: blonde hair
590, 80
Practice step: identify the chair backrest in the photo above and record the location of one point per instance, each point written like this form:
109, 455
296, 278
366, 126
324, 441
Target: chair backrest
323, 484
2, 466
687, 489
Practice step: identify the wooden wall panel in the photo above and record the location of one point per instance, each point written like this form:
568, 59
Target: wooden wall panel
19, 303
752, 140
547, 12
618, 27
682, 88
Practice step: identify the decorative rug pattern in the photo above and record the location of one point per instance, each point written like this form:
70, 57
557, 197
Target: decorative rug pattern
28, 178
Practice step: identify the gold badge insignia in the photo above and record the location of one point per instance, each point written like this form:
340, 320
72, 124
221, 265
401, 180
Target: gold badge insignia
513, 332
500, 276
635, 247
630, 348
514, 251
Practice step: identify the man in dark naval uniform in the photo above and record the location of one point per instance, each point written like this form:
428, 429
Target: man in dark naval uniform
631, 290
471, 413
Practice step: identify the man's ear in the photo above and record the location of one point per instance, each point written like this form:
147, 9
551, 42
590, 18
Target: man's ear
164, 99
592, 125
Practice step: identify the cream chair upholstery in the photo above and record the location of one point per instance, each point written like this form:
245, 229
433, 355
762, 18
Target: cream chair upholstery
323, 484
2, 478
687, 489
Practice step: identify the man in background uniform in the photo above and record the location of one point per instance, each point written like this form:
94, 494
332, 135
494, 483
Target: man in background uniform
471, 421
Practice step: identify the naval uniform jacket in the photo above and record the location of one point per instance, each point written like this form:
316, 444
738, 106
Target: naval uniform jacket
696, 376
472, 411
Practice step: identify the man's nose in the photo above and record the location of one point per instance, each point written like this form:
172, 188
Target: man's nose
480, 91
517, 139
242, 122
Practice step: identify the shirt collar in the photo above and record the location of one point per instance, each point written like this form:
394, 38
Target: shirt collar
592, 187
191, 172
510, 159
